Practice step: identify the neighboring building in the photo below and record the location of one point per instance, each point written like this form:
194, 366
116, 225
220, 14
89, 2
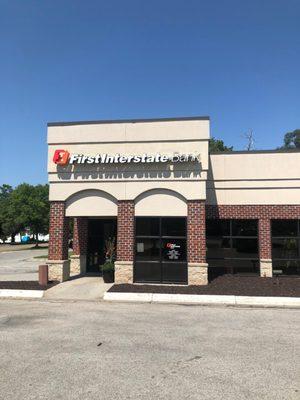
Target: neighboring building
177, 212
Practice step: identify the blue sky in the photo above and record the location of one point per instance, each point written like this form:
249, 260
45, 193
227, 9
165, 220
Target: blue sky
66, 60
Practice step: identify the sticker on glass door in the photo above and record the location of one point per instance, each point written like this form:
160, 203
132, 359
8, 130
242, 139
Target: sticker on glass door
173, 251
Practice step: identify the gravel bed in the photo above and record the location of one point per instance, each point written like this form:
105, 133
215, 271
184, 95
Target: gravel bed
25, 285
225, 285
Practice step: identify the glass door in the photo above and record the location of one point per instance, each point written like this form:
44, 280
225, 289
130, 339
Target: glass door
99, 230
160, 250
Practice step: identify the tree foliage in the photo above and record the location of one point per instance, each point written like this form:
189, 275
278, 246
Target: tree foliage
25, 207
216, 145
5, 193
292, 140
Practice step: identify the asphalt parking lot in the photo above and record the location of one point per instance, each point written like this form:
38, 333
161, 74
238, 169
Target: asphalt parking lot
97, 350
21, 265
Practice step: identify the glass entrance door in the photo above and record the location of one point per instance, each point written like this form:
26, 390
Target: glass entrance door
160, 250
99, 230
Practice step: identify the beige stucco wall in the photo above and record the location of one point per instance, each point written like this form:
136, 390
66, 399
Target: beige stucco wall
160, 202
91, 203
254, 178
191, 190
128, 181
232, 178
130, 132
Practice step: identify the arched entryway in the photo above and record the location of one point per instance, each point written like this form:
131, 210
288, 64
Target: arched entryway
160, 237
95, 223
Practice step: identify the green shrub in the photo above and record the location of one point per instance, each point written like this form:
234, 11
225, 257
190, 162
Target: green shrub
108, 267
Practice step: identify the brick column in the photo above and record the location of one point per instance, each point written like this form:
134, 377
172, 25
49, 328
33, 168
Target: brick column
196, 243
80, 242
59, 265
125, 242
265, 247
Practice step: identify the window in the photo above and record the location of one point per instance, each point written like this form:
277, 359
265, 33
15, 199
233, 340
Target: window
147, 226
160, 250
232, 246
172, 227
285, 247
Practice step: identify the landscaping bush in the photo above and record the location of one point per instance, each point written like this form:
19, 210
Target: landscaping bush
108, 272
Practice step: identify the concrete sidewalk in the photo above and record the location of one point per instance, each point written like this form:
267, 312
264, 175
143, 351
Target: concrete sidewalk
93, 288
250, 301
84, 288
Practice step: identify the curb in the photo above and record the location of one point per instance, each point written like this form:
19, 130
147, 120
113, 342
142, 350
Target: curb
141, 297
204, 299
29, 294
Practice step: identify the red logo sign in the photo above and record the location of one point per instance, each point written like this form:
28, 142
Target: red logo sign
61, 157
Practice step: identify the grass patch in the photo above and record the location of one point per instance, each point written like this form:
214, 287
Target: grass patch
45, 256
39, 247
5, 247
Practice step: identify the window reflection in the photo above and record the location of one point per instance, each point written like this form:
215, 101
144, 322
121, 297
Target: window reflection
285, 247
232, 245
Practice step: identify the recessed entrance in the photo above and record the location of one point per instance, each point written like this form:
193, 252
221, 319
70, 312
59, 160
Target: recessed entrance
99, 230
160, 250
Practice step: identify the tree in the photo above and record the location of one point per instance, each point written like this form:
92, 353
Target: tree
26, 206
38, 221
5, 192
216, 145
292, 140
249, 140
29, 206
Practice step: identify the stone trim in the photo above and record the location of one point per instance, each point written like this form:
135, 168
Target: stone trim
123, 272
78, 264
266, 270
59, 270
198, 265
197, 273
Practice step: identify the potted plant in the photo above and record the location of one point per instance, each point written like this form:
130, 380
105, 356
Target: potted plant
108, 268
108, 272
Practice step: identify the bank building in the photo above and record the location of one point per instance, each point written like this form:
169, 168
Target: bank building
177, 213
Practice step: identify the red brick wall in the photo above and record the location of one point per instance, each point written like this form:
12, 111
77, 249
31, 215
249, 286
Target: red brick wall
264, 234
80, 236
58, 232
264, 214
253, 212
196, 236
125, 235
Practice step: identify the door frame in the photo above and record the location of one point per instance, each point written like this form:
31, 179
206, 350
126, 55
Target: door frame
161, 261
104, 218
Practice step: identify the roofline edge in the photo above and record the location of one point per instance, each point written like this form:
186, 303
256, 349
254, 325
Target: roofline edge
214, 153
116, 121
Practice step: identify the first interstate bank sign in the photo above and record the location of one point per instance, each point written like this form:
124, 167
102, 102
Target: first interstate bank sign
63, 157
